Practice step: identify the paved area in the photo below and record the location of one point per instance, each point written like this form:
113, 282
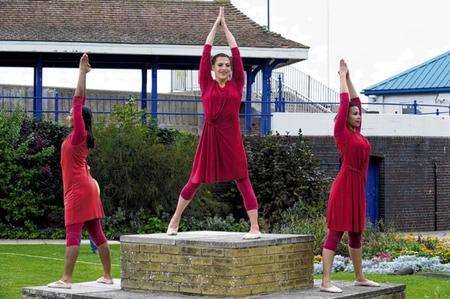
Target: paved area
95, 290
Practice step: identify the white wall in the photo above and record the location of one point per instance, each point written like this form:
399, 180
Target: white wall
321, 124
434, 99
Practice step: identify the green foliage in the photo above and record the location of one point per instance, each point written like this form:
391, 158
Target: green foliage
303, 219
141, 170
283, 171
216, 223
29, 174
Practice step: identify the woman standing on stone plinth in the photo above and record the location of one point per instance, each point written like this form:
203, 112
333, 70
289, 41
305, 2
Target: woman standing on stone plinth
346, 211
82, 204
220, 155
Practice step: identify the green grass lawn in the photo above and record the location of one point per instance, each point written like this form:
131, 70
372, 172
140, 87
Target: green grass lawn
33, 265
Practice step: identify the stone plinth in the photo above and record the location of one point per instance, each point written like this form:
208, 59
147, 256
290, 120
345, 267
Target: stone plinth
216, 263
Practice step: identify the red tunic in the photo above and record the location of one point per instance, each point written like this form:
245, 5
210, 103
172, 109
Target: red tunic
220, 154
81, 192
346, 209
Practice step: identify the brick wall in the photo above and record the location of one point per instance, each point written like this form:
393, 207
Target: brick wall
216, 263
407, 180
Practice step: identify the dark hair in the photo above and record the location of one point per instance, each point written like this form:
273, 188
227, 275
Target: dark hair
214, 58
352, 104
87, 118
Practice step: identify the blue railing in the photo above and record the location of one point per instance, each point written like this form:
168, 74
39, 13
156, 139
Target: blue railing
188, 110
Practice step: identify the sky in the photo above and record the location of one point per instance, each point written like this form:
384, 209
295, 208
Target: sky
378, 38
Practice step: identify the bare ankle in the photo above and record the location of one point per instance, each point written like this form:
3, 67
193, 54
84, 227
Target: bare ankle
107, 275
66, 279
174, 222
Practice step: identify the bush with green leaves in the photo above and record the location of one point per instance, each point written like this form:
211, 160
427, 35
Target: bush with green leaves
141, 170
30, 177
284, 172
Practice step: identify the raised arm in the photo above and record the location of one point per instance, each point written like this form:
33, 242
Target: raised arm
237, 66
354, 97
230, 38
342, 114
351, 88
78, 101
212, 33
204, 72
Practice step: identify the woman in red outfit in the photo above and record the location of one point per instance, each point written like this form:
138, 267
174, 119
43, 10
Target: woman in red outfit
220, 155
346, 209
82, 203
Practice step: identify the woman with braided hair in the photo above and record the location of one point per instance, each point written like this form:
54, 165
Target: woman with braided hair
82, 203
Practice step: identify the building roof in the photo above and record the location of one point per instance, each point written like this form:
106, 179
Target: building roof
64, 25
432, 76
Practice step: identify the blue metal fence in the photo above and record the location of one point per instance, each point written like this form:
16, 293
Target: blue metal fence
57, 107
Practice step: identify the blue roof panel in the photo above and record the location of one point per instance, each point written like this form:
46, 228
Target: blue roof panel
432, 75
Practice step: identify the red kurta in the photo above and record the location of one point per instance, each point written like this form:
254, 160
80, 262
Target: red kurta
346, 209
220, 154
81, 192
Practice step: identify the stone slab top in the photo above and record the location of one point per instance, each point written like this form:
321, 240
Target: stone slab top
94, 290
215, 239
84, 288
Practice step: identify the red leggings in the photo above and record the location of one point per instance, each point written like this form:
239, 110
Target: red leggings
334, 237
244, 185
94, 227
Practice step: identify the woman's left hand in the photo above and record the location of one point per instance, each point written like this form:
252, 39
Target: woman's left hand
85, 67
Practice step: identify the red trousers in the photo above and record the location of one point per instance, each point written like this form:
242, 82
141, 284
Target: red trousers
94, 227
334, 237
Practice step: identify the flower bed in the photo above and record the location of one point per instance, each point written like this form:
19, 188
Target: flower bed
379, 265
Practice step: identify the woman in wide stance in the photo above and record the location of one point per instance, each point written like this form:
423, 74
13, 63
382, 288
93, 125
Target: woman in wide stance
346, 209
82, 203
220, 155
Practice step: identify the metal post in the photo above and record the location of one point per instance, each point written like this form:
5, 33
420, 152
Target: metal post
415, 107
309, 87
37, 89
144, 93
435, 177
437, 111
56, 107
248, 102
268, 15
281, 103
154, 91
266, 99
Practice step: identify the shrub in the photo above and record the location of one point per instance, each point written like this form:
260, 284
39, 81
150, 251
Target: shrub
141, 167
30, 184
304, 219
283, 172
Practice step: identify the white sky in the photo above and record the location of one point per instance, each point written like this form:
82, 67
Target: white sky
379, 38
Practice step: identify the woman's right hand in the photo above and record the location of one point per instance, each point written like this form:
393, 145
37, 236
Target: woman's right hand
85, 67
